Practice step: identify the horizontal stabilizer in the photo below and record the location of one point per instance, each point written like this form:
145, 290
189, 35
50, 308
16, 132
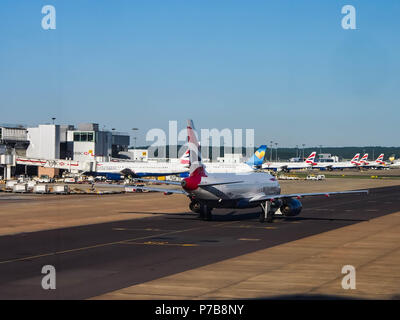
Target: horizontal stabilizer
176, 183
218, 183
259, 197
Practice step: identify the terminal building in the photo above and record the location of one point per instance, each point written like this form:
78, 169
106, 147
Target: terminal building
86, 143
13, 141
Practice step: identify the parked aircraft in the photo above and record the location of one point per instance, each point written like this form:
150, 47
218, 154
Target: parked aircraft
378, 163
253, 163
226, 190
287, 166
114, 170
353, 163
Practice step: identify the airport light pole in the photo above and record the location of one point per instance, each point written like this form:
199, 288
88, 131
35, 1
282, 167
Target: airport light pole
270, 157
276, 149
134, 137
303, 150
53, 119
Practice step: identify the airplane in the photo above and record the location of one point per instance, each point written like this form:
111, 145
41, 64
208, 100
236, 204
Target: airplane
378, 163
353, 163
207, 191
287, 166
394, 164
252, 164
115, 169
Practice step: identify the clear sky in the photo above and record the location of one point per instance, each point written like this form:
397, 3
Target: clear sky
285, 68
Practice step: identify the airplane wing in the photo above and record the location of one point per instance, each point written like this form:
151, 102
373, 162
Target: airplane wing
218, 183
175, 183
164, 190
264, 197
124, 186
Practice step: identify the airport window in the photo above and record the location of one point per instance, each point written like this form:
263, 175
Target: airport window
84, 136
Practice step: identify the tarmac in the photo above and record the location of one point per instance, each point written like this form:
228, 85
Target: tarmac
148, 246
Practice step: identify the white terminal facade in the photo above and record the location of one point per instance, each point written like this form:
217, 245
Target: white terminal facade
84, 143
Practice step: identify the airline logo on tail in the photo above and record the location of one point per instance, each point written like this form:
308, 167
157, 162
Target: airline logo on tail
380, 159
185, 158
355, 159
258, 158
194, 152
364, 159
311, 157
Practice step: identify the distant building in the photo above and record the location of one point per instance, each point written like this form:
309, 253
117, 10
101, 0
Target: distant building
44, 142
13, 137
86, 143
231, 158
327, 157
138, 154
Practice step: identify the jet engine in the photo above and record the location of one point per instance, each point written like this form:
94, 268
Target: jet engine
291, 207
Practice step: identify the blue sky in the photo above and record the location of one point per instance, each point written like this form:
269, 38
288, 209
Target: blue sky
285, 68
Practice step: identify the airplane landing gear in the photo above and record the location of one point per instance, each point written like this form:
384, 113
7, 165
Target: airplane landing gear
267, 213
195, 206
205, 213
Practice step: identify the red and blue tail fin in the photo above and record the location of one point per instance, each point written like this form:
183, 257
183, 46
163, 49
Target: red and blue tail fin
355, 159
310, 159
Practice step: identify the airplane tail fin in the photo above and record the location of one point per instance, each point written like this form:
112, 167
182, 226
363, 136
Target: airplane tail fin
258, 157
355, 158
380, 158
196, 165
364, 158
184, 160
310, 159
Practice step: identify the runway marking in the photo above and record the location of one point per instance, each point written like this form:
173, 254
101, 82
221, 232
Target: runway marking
140, 229
105, 244
251, 227
164, 243
248, 239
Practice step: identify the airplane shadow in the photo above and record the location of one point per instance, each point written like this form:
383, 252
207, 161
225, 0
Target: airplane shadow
238, 216
318, 219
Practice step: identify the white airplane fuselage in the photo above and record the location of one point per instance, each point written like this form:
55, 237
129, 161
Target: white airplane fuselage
238, 194
279, 166
218, 167
141, 168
